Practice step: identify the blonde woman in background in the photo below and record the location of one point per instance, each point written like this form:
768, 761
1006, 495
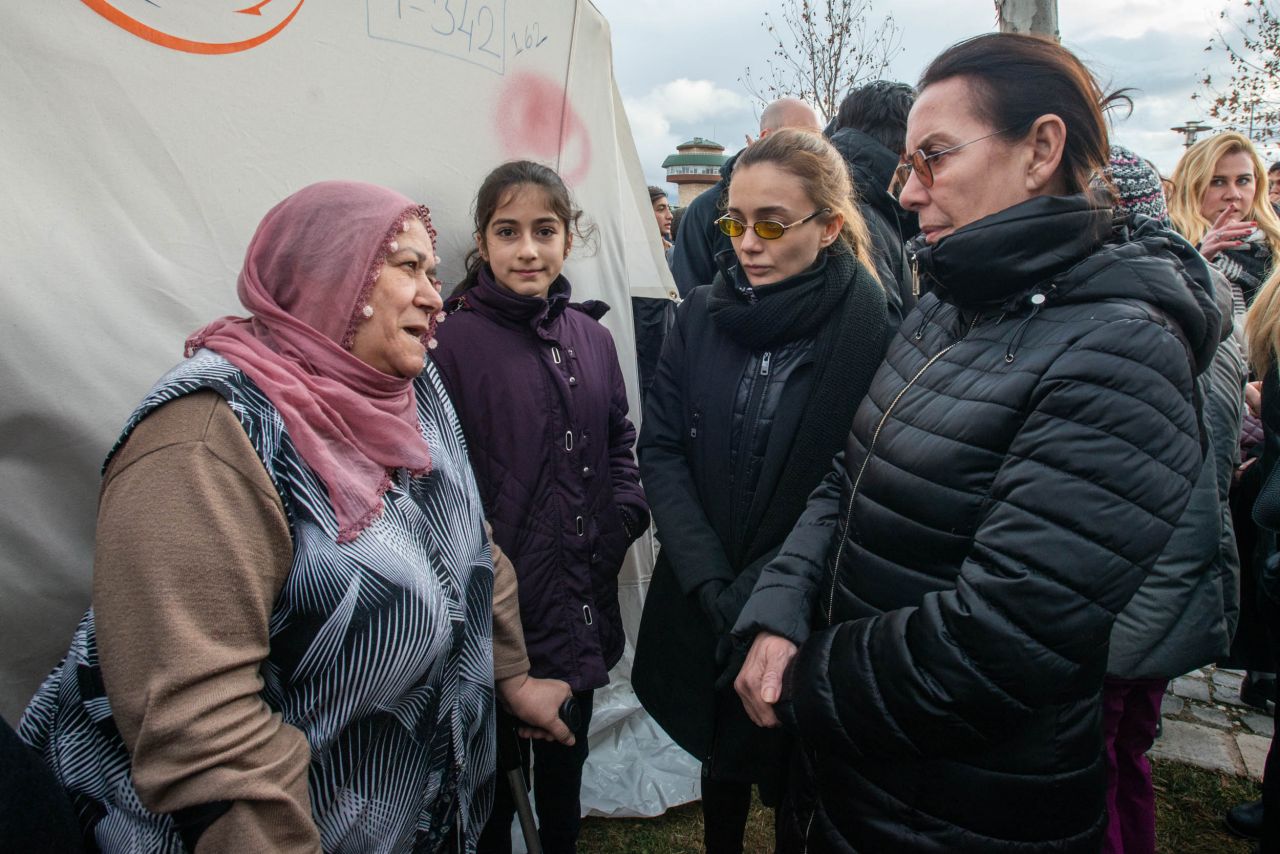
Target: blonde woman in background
1219, 203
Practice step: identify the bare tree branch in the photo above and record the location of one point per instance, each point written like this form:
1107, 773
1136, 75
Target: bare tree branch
1249, 99
823, 48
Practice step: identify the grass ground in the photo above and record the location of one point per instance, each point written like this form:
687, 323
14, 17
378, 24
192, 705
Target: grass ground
1189, 807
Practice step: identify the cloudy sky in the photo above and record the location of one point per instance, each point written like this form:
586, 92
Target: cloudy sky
679, 62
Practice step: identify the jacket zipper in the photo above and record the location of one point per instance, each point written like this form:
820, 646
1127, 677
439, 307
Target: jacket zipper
844, 528
693, 428
808, 828
755, 398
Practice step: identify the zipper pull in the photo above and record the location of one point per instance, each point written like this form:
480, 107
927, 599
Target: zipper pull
915, 276
693, 430
764, 364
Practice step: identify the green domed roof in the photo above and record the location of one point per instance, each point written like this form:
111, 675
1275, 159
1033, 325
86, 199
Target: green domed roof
699, 142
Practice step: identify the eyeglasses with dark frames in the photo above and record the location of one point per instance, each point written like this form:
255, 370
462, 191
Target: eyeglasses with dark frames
919, 162
765, 229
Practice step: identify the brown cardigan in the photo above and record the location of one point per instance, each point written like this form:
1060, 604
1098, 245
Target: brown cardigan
193, 547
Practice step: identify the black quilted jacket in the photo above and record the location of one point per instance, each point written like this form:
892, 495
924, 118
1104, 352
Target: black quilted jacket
1013, 473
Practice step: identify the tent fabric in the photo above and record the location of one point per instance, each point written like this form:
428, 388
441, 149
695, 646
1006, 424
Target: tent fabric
140, 145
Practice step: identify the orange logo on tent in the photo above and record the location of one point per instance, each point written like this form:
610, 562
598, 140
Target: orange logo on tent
156, 33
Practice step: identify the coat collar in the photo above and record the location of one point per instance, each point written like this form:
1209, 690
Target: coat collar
987, 262
496, 302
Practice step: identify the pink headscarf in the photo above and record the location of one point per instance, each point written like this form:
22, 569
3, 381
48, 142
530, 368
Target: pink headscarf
307, 275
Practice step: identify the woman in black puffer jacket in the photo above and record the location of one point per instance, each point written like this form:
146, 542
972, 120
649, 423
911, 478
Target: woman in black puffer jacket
935, 628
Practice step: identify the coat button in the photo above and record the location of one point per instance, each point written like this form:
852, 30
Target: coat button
573, 380
586, 471
595, 557
570, 352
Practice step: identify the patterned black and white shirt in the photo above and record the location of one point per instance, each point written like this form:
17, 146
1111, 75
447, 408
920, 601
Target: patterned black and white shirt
380, 651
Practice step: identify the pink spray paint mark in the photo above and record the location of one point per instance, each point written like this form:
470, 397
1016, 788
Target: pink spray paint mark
534, 119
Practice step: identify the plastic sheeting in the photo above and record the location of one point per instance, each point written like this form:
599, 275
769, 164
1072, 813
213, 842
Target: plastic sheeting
140, 143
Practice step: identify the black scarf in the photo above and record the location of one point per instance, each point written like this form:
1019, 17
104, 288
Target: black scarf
841, 306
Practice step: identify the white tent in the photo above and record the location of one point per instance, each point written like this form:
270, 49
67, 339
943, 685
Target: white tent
140, 143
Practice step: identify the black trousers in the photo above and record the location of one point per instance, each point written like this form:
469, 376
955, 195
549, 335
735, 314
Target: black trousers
1269, 612
726, 805
35, 813
557, 785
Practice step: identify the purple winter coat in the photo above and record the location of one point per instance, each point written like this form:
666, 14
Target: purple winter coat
540, 396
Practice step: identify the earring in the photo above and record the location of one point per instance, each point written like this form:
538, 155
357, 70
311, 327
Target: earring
367, 311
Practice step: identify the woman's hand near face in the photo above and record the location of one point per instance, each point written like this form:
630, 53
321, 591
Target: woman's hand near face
1227, 233
759, 683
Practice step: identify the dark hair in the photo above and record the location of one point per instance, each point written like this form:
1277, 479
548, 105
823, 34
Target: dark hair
498, 188
676, 216
1274, 167
1018, 78
879, 109
656, 193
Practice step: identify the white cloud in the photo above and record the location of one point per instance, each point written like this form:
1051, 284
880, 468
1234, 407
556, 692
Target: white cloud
1084, 19
676, 110
685, 101
678, 62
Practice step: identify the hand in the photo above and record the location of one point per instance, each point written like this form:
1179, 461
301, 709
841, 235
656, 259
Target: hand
1253, 398
759, 683
1226, 233
536, 704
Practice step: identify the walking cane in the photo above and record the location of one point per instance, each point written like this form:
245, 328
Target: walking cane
509, 761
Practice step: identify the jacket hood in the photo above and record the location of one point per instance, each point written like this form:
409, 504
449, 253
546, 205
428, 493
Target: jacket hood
871, 168
592, 308
1144, 260
1071, 249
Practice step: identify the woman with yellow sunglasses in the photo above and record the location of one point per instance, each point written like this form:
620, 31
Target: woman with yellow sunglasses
754, 394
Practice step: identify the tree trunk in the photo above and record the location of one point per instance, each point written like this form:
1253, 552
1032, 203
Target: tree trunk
1039, 17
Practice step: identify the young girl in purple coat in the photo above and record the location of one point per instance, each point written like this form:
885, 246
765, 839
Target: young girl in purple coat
540, 396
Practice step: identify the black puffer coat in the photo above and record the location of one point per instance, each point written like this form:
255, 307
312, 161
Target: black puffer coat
1186, 611
1015, 469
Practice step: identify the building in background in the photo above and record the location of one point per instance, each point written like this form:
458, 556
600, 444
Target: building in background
694, 167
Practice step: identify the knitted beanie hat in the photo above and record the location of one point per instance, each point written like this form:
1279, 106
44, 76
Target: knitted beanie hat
1137, 185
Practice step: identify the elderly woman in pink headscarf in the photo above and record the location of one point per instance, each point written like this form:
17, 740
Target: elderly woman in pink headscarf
289, 647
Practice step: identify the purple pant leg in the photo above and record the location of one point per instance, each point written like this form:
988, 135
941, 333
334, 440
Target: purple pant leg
1130, 710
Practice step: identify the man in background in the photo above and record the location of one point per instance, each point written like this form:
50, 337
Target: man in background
870, 131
